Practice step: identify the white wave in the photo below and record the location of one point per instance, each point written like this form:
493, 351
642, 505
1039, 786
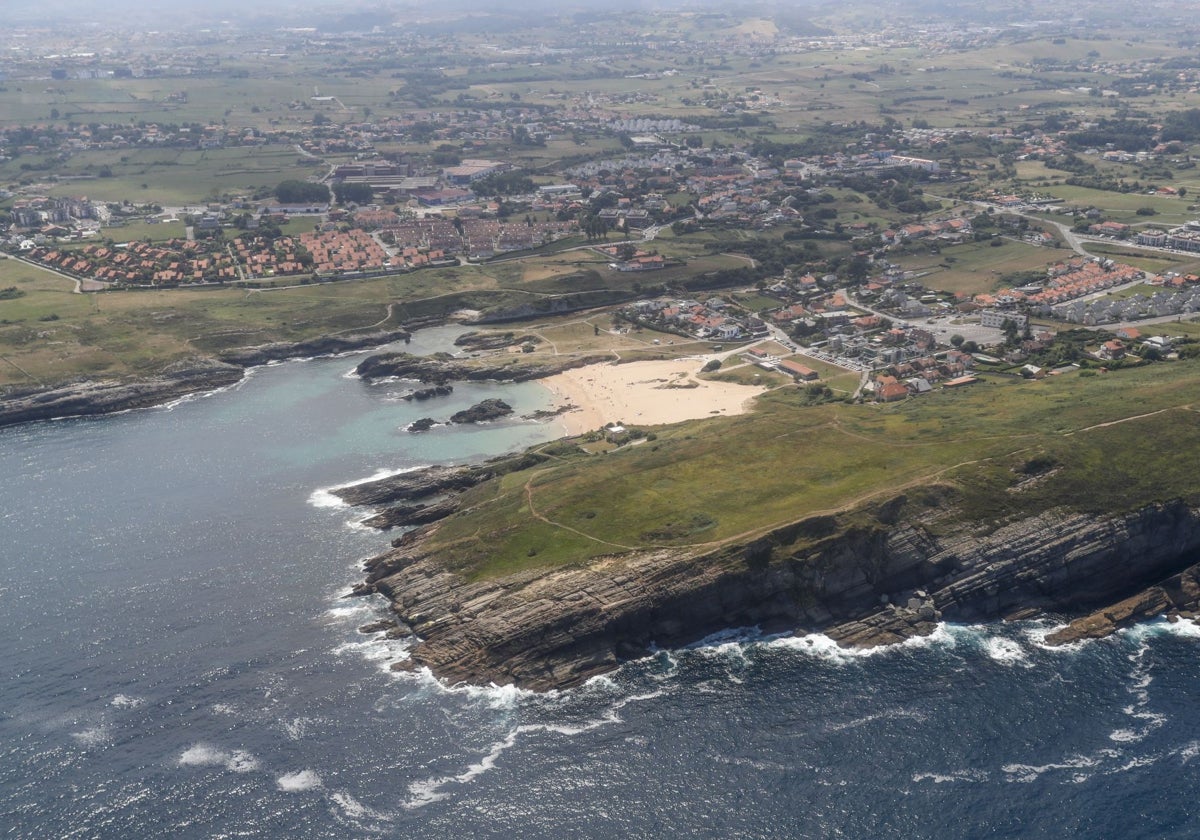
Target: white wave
952, 776
1134, 764
1036, 632
425, 792
734, 634
355, 810
895, 714
224, 709
298, 781
1187, 752
822, 647
1005, 651
1032, 772
297, 728
204, 755
1183, 628
325, 499
124, 701
93, 736
359, 608
373, 649
241, 761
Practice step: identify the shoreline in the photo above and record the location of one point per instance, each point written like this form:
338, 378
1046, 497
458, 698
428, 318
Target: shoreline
184, 378
645, 393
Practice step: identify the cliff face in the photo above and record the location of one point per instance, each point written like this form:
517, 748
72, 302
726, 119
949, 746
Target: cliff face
326, 345
189, 376
441, 370
864, 585
90, 398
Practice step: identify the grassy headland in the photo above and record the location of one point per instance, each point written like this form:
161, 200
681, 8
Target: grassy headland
999, 450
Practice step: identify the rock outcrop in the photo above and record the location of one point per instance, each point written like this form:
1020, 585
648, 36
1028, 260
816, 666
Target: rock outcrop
422, 394
440, 369
189, 376
478, 342
403, 515
482, 412
326, 345
418, 484
864, 585
90, 398
1176, 597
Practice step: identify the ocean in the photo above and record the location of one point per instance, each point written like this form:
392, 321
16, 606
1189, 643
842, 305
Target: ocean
178, 661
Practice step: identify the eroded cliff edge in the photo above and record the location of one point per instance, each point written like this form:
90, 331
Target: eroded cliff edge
89, 397
876, 575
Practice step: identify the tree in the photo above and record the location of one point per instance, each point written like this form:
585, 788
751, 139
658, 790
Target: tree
301, 192
1010, 329
956, 340
356, 193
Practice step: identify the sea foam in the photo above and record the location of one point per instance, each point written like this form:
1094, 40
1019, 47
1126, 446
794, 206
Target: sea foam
324, 497
205, 755
298, 781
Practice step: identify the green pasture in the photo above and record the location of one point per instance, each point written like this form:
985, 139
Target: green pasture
784, 462
977, 267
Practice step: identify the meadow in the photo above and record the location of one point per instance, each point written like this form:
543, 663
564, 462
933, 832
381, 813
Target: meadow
1105, 436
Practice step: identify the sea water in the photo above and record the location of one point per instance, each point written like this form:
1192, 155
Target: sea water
178, 661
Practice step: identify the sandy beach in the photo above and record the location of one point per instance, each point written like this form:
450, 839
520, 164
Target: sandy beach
645, 394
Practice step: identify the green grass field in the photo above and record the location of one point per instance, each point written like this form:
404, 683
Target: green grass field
977, 267
788, 461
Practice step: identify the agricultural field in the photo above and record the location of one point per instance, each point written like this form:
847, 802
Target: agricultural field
978, 267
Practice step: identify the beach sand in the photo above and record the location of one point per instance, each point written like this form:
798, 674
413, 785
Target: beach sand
645, 394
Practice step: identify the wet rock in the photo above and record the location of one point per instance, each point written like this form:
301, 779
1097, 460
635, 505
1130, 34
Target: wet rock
482, 412
90, 398
383, 625
321, 346
422, 394
402, 515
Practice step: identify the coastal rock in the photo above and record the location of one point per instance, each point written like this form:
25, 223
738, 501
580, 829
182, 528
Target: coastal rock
185, 377
1177, 596
477, 341
422, 394
440, 369
327, 345
422, 425
402, 515
482, 412
407, 486
555, 628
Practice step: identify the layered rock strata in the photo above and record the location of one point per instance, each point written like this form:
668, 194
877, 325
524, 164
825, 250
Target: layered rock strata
90, 398
440, 369
863, 585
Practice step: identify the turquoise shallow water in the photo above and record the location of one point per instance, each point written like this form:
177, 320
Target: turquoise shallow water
178, 662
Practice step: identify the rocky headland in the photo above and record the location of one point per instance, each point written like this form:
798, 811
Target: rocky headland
441, 368
871, 577
189, 376
326, 345
88, 398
